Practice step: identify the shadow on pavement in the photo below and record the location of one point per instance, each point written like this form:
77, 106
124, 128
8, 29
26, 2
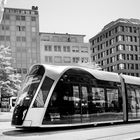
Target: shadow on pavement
41, 131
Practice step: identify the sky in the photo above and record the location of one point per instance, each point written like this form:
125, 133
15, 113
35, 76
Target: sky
84, 17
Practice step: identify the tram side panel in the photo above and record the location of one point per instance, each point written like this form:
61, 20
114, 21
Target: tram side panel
80, 98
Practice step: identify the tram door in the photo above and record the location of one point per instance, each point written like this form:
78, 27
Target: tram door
133, 103
76, 117
84, 103
80, 98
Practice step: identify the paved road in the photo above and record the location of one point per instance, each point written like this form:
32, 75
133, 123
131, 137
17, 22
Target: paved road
5, 116
116, 132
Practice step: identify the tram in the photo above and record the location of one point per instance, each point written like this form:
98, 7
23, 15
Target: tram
65, 96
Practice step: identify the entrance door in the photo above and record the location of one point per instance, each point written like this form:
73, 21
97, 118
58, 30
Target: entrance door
84, 103
80, 104
76, 117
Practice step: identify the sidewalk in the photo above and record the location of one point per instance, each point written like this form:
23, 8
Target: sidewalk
5, 116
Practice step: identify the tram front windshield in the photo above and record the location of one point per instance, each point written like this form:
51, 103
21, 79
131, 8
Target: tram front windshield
30, 86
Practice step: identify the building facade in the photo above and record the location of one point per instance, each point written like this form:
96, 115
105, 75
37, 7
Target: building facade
19, 30
117, 47
63, 49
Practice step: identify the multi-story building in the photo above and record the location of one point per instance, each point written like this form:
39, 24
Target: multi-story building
117, 47
19, 30
63, 49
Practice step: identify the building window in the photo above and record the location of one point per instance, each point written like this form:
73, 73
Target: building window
122, 28
129, 47
120, 47
2, 38
33, 18
24, 71
107, 52
128, 38
67, 59
58, 59
84, 49
120, 38
75, 48
5, 27
84, 59
33, 39
98, 55
136, 66
19, 70
127, 56
112, 50
48, 59
23, 18
23, 39
72, 39
18, 38
135, 29
132, 66
55, 38
135, 39
92, 42
7, 38
6, 17
113, 59
136, 57
17, 17
33, 29
93, 58
136, 48
76, 59
106, 43
57, 48
21, 28
121, 66
48, 48
131, 57
120, 57
66, 48
112, 41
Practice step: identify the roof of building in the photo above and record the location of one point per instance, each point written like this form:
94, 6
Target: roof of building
33, 8
122, 20
61, 34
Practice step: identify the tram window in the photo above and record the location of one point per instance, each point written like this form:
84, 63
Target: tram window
98, 100
113, 100
133, 95
43, 92
105, 104
37, 70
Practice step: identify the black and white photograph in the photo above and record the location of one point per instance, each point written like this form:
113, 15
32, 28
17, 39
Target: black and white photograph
69, 69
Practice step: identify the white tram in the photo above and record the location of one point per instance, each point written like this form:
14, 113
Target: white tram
63, 96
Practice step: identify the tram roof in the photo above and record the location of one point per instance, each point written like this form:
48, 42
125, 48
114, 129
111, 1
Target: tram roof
55, 71
131, 79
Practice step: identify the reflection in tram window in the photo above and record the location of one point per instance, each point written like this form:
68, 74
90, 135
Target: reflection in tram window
98, 100
43, 93
133, 101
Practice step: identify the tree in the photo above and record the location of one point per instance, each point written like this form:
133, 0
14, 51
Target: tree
9, 80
